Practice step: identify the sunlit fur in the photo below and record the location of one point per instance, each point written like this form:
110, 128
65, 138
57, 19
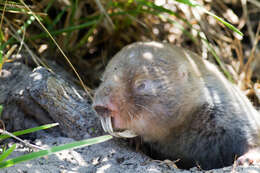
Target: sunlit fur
183, 106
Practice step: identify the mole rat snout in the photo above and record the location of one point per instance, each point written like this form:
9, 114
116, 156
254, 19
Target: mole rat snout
111, 120
102, 110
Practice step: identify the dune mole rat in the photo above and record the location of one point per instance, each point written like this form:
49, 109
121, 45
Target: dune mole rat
178, 103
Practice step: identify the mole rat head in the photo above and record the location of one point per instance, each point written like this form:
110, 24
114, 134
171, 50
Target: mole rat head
141, 91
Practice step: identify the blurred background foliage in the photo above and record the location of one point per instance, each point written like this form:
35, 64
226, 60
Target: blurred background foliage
87, 33
90, 32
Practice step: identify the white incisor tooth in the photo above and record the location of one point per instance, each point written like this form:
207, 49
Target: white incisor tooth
107, 126
110, 128
103, 124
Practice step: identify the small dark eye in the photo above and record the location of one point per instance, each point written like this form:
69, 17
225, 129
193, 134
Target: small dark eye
143, 86
140, 86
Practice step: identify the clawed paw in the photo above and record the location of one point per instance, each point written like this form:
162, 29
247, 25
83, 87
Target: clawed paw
252, 157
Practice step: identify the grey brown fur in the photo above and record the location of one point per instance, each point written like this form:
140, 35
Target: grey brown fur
178, 103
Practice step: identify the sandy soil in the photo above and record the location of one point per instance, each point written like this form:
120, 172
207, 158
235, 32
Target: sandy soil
113, 156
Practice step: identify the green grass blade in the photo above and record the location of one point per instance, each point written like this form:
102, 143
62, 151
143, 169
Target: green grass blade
22, 28
1, 106
86, 36
22, 132
195, 4
6, 153
74, 5
233, 28
50, 3
55, 149
50, 24
161, 9
68, 29
1, 36
11, 3
58, 17
216, 57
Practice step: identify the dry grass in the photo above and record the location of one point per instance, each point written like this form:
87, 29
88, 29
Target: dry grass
91, 32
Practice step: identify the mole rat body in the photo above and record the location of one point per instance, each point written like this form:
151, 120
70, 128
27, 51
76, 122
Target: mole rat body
178, 103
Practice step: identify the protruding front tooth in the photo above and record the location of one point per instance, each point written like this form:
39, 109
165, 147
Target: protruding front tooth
103, 123
110, 128
109, 124
106, 123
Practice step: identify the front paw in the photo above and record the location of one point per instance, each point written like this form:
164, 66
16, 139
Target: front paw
252, 157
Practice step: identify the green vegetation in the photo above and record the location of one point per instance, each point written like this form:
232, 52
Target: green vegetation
34, 155
88, 33
27, 131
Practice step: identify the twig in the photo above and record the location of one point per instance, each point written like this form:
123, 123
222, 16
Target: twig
19, 139
103, 11
239, 51
3, 14
256, 3
36, 60
22, 41
87, 90
248, 23
252, 53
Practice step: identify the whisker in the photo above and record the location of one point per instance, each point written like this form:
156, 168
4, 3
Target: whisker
130, 115
146, 109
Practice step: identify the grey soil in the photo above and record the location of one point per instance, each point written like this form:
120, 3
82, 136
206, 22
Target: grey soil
109, 157
113, 156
